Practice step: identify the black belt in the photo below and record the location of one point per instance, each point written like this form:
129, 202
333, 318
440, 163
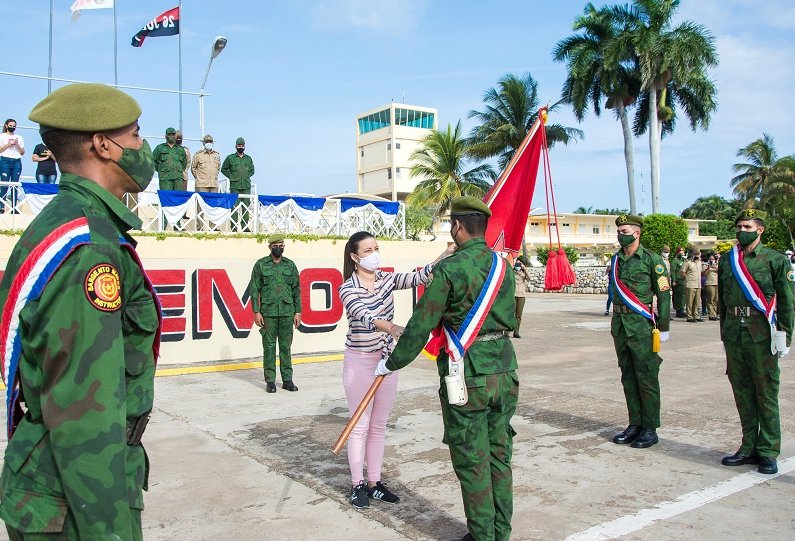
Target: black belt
739, 311
136, 427
622, 309
489, 336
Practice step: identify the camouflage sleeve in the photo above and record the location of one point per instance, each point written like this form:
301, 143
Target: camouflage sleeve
183, 159
405, 280
225, 170
250, 166
76, 335
662, 289
156, 154
783, 277
427, 315
256, 280
296, 289
721, 293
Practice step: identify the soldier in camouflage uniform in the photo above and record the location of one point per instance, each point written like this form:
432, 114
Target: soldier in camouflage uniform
752, 369
678, 284
644, 273
276, 300
239, 168
170, 161
478, 433
86, 334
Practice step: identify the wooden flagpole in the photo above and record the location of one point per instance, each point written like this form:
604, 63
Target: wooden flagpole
346, 432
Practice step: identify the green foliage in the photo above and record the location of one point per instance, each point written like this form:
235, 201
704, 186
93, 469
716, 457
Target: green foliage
419, 220
661, 229
713, 207
542, 252
723, 229
776, 236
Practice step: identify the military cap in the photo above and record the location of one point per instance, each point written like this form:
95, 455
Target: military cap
629, 219
276, 237
207, 138
85, 107
666, 248
240, 141
462, 206
680, 249
751, 214
179, 133
171, 131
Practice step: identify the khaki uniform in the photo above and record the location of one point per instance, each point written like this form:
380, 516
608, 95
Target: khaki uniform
205, 167
521, 278
691, 273
711, 290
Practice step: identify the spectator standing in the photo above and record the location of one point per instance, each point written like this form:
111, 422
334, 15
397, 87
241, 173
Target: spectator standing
691, 274
711, 288
187, 161
170, 161
678, 284
239, 168
205, 166
12, 148
46, 172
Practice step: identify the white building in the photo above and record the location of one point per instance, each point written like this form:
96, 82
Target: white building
386, 137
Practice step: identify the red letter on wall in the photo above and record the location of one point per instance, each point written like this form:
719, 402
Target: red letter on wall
170, 288
325, 319
214, 285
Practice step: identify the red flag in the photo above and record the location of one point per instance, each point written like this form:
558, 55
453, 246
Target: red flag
511, 196
165, 24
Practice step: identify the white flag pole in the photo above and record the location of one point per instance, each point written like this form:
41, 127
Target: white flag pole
115, 48
179, 7
49, 66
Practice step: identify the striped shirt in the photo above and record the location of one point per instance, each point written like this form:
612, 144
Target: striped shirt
363, 307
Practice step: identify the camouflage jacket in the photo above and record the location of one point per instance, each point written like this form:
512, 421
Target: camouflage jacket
86, 370
773, 273
676, 266
457, 281
170, 161
239, 170
274, 288
644, 273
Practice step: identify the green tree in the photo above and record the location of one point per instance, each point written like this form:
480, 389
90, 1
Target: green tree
440, 163
712, 207
611, 212
542, 253
419, 220
583, 210
672, 61
661, 229
594, 75
511, 109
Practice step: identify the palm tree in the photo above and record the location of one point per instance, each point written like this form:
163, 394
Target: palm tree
583, 210
440, 162
511, 108
592, 77
672, 63
711, 207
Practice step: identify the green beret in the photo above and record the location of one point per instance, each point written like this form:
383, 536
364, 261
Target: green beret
751, 214
85, 107
469, 205
276, 237
171, 131
240, 141
629, 219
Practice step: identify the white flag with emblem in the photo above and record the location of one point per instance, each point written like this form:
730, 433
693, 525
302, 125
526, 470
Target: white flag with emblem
79, 5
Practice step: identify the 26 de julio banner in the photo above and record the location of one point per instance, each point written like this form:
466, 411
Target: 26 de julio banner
165, 24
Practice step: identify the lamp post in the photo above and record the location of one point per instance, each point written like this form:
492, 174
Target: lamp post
218, 46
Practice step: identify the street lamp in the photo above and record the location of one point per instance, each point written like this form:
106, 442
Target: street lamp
218, 45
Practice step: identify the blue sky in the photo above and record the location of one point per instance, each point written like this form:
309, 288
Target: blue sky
296, 73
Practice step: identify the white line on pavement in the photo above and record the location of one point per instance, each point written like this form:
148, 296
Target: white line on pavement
688, 502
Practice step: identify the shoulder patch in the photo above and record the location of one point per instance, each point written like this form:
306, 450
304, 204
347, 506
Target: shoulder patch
791, 276
662, 283
659, 268
103, 287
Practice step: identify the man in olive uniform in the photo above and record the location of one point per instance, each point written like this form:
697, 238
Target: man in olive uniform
478, 433
170, 161
666, 256
184, 185
205, 166
678, 284
239, 168
276, 300
752, 369
81, 324
644, 275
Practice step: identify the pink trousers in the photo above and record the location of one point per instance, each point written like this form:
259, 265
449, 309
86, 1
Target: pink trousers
366, 443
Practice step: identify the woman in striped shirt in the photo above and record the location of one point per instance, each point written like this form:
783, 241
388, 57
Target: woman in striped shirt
367, 297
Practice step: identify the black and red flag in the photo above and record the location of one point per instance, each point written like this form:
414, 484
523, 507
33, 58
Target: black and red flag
165, 24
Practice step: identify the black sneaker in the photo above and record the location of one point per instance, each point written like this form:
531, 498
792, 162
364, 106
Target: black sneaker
380, 492
359, 496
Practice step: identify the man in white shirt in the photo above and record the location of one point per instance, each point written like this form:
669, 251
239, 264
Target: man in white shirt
12, 148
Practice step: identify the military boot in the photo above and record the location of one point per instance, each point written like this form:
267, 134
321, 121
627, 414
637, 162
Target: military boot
289, 385
646, 438
270, 387
629, 434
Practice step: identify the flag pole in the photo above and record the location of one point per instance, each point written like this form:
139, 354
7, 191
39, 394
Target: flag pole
115, 48
49, 66
180, 64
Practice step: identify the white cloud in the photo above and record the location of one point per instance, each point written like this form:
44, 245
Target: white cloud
382, 16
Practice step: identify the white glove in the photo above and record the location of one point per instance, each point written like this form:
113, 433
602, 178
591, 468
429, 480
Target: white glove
783, 353
664, 336
381, 369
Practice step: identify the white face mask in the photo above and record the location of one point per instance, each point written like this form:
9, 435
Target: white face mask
208, 146
665, 255
371, 263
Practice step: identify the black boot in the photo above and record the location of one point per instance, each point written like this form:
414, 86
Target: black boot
629, 434
739, 459
767, 465
289, 385
646, 438
270, 387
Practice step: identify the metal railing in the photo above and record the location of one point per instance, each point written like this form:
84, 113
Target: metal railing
247, 216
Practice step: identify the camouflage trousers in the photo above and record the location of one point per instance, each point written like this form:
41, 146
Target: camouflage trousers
679, 297
173, 184
640, 370
480, 439
69, 531
754, 375
281, 329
